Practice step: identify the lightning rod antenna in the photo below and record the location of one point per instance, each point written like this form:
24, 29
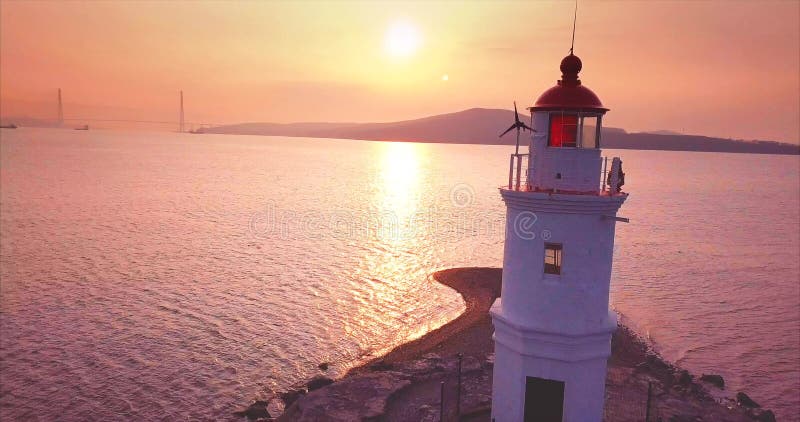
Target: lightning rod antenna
181, 123
60, 109
574, 20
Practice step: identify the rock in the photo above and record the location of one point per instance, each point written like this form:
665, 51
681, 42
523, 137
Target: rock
276, 407
765, 416
381, 365
684, 418
482, 400
428, 413
318, 382
257, 410
426, 408
360, 397
418, 367
714, 379
323, 366
470, 363
684, 378
291, 396
745, 400
654, 364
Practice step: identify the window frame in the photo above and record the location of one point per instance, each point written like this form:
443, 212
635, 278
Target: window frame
550, 129
556, 268
578, 129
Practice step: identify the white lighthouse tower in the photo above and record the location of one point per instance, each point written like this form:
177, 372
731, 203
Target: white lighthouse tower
552, 323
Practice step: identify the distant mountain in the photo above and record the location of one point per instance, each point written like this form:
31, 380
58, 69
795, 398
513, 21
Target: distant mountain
482, 126
473, 126
696, 143
662, 132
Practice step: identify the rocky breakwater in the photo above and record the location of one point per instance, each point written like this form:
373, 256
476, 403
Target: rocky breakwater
420, 380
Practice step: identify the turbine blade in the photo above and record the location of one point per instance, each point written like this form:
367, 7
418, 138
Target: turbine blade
508, 130
516, 115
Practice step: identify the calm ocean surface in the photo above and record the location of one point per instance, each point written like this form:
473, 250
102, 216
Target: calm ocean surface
177, 276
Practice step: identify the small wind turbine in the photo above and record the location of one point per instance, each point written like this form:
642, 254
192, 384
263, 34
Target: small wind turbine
518, 124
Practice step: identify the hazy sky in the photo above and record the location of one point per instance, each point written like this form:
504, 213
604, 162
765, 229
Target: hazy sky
729, 68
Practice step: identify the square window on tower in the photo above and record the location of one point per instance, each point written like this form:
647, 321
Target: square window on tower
552, 258
563, 130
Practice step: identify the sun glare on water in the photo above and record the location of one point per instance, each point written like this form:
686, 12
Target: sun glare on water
402, 39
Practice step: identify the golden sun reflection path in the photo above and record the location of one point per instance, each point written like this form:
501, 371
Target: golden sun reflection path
400, 174
398, 256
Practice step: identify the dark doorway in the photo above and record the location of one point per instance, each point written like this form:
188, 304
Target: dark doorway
544, 400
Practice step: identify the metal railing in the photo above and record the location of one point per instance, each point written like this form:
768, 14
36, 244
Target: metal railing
517, 167
518, 175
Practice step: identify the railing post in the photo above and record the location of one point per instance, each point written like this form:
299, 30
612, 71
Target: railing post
511, 172
528, 172
603, 176
458, 392
519, 169
441, 402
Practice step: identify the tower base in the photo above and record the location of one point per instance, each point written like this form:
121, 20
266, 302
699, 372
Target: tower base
544, 376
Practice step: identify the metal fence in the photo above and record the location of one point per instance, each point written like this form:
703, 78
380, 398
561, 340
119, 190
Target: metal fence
634, 398
464, 394
518, 166
518, 172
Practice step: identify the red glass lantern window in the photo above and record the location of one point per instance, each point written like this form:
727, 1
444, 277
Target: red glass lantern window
563, 130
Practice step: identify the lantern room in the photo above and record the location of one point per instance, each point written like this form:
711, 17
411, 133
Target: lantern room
565, 147
575, 111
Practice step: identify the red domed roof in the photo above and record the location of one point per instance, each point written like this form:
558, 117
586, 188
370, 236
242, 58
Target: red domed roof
569, 94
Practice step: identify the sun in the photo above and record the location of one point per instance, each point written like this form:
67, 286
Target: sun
402, 39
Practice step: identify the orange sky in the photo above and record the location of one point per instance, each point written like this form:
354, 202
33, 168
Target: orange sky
729, 68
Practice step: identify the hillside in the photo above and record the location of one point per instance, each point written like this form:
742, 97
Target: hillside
479, 126
482, 126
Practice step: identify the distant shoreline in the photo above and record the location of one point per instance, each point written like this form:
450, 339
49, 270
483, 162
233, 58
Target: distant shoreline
632, 148
612, 138
482, 126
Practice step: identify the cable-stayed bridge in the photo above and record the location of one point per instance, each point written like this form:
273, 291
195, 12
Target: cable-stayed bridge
181, 124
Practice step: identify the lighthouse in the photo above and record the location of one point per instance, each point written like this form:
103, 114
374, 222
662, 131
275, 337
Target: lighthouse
552, 323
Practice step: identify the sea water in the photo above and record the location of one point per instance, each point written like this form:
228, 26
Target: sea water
179, 276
